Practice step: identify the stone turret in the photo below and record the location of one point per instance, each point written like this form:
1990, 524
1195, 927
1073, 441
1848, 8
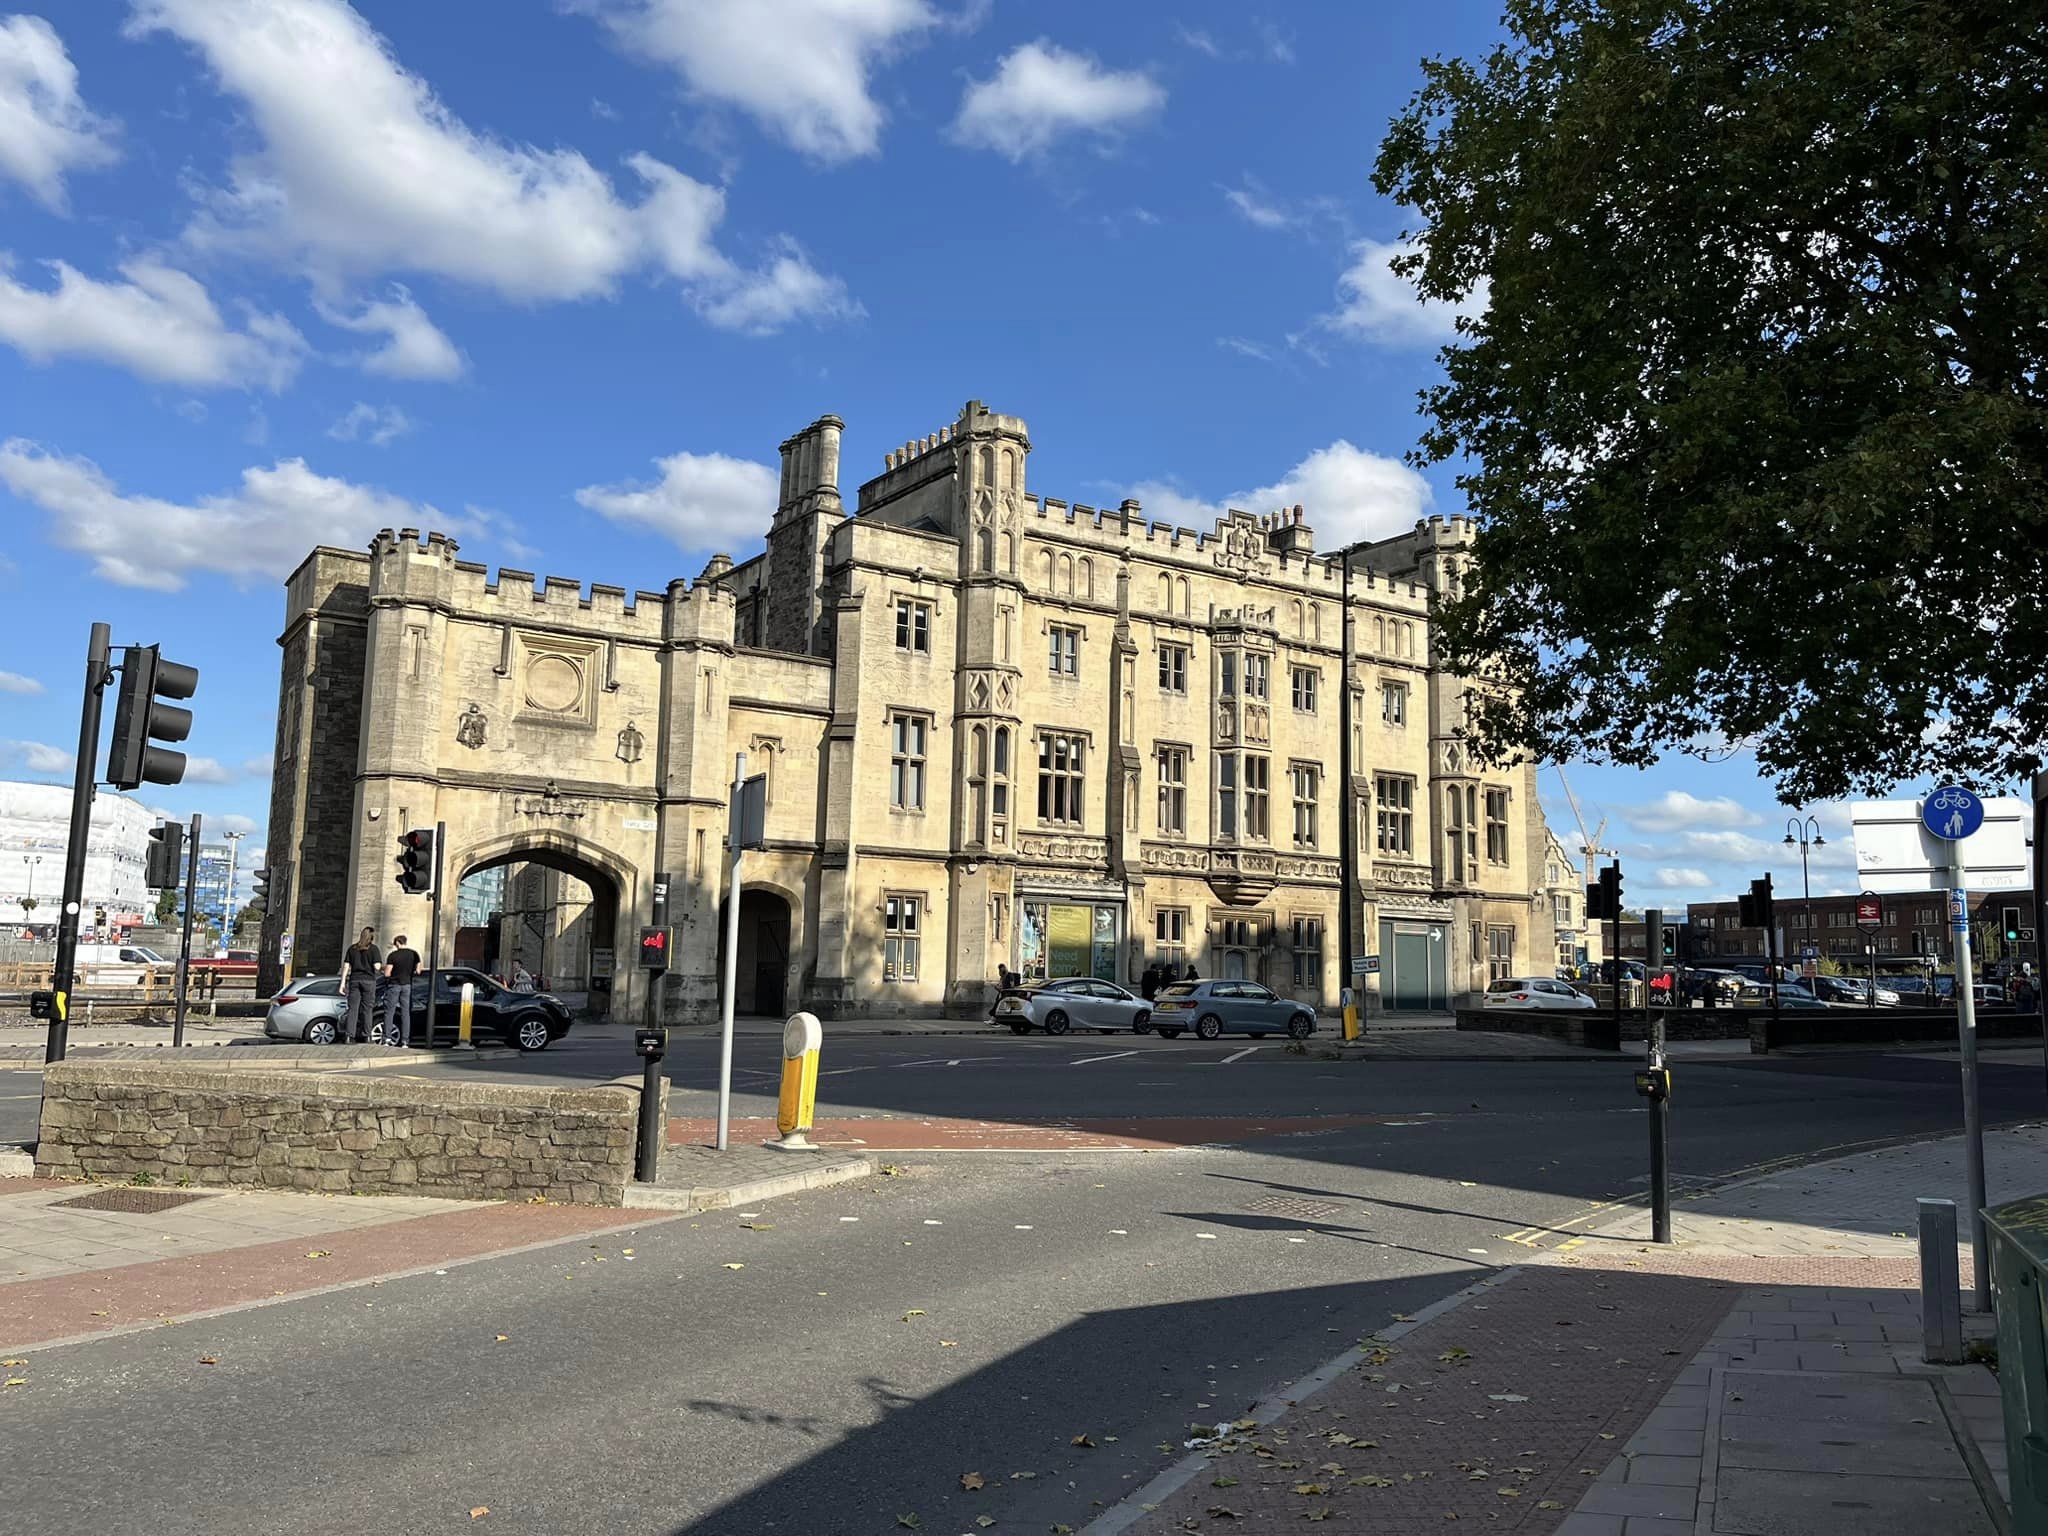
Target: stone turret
808, 508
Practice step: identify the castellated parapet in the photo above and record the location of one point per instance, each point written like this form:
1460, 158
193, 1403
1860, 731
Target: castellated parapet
997, 728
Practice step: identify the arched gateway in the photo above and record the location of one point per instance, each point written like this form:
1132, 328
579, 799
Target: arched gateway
998, 730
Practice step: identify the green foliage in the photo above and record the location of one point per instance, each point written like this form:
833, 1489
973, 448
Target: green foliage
1756, 419
166, 907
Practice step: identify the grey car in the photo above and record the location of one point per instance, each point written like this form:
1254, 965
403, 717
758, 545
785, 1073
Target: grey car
1074, 1002
310, 1009
1244, 1007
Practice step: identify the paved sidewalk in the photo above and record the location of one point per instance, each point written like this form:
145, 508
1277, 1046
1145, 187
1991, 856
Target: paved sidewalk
1760, 1377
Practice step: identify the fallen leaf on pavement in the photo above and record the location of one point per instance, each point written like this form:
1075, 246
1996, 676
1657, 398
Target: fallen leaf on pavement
1317, 1514
1549, 1504
503, 1337
1223, 1482
1310, 1488
321, 1253
1467, 1184
949, 1343
1062, 1530
909, 1522
971, 1481
1455, 1353
1505, 1397
17, 1381
480, 1511
1207, 1237
1403, 1317
751, 1226
1370, 1481
1509, 1493
208, 1360
984, 1521
1083, 1441
735, 1266
1221, 1512
913, 1312
11, 1363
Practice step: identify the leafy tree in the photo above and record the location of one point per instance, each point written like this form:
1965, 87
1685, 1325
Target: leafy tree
1755, 419
166, 907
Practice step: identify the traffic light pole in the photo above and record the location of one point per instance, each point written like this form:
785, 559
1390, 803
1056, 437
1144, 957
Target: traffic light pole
97, 649
185, 942
2040, 906
1973, 1114
434, 929
732, 949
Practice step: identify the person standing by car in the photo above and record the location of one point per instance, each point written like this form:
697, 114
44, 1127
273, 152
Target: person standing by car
359, 985
400, 966
1148, 983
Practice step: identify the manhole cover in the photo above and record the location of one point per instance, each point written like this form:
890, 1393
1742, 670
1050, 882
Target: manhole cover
140, 1201
1300, 1210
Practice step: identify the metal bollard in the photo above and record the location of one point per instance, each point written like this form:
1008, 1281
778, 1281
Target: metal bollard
1941, 1288
796, 1108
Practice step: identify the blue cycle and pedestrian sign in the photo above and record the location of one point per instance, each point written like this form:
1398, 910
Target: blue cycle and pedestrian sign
1952, 813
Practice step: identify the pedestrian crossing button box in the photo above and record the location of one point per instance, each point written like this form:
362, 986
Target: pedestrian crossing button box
1655, 1083
650, 1044
42, 1005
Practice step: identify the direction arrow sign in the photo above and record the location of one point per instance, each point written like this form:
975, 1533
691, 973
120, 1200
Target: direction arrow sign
1952, 812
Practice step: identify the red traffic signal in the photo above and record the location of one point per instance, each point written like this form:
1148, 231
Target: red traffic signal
416, 861
654, 947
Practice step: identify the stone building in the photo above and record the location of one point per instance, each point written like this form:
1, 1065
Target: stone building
996, 728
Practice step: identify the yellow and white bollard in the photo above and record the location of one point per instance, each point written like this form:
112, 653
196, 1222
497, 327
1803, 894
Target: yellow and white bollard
1351, 1030
464, 1018
797, 1106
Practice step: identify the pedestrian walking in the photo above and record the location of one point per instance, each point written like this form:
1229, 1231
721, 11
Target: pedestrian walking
1148, 983
359, 969
400, 966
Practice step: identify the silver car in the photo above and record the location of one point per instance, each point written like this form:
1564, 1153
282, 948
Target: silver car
1536, 992
310, 1009
1074, 1002
1211, 1007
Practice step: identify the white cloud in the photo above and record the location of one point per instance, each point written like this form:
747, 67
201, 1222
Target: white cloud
1677, 811
159, 323
372, 424
15, 682
1200, 41
1376, 305
702, 501
1348, 493
363, 169
799, 67
257, 532
233, 822
46, 129
1041, 91
38, 757
1279, 45
260, 767
206, 770
1244, 346
1684, 879
415, 348
1255, 207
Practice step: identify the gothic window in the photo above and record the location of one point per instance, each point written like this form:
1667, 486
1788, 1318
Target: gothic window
1308, 952
907, 736
999, 787
1394, 808
913, 625
1067, 574
1173, 668
977, 784
1226, 795
1087, 588
985, 550
1184, 610
988, 467
1256, 670
1046, 568
1060, 783
1064, 649
1165, 593
900, 936
1009, 469
1257, 796
1010, 553
1497, 826
1394, 703
1173, 790
1302, 689
1307, 791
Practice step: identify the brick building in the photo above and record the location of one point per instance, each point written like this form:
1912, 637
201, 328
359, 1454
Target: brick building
1914, 930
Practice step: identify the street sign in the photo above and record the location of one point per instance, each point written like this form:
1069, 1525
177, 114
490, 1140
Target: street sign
1869, 910
1809, 951
1959, 910
1952, 812
2026, 935
1365, 965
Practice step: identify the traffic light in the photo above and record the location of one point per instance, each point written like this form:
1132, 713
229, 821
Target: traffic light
259, 889
654, 949
141, 718
161, 865
416, 861
1671, 941
1756, 908
2011, 924
1603, 900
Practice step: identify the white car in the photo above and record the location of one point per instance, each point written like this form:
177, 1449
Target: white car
1074, 1002
1537, 992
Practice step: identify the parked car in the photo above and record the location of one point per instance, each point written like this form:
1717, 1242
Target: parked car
312, 1009
1246, 1007
1716, 988
309, 1009
1073, 1002
1852, 989
1537, 992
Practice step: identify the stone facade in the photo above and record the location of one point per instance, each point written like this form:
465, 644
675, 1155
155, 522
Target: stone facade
996, 728
314, 1131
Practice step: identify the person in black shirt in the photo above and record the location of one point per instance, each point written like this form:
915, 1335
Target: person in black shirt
359, 985
400, 966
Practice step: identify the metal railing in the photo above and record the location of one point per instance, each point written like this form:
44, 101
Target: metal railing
2018, 1235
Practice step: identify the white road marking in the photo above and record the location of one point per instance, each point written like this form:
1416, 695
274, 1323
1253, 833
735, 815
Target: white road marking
1112, 1056
1240, 1056
956, 1061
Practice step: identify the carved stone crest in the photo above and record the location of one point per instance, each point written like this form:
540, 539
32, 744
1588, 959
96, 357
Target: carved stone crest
631, 743
1244, 548
471, 728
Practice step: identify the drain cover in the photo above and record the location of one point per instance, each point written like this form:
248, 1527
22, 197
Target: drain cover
1300, 1210
140, 1201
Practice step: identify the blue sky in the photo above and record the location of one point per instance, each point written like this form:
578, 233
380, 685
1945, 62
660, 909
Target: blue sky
558, 278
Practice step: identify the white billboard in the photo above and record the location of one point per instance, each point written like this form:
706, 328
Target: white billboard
1895, 854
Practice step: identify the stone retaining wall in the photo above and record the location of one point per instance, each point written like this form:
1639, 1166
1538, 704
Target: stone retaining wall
1594, 1031
283, 1129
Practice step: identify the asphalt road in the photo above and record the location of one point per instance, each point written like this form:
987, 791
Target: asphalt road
974, 1314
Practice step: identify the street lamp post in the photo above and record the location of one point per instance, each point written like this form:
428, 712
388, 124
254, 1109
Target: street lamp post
1806, 833
227, 920
1347, 856
31, 860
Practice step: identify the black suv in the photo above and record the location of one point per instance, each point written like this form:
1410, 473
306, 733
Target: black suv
528, 1021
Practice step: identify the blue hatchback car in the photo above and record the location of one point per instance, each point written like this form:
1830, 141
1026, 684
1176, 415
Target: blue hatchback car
1243, 1007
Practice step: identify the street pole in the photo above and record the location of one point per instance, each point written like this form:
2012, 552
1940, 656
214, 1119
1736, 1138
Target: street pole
732, 950
227, 911
185, 942
1973, 1118
434, 927
1347, 868
1614, 948
1660, 1103
2041, 911
82, 788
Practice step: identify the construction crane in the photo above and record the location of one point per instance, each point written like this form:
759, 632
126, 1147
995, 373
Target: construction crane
1589, 842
